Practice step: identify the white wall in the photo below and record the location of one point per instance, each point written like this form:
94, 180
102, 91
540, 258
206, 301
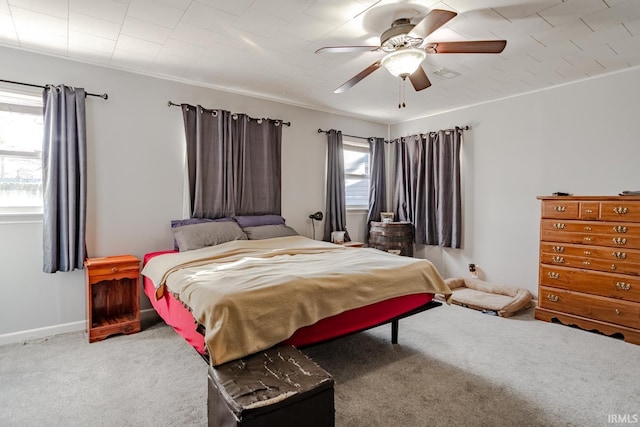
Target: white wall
578, 138
136, 163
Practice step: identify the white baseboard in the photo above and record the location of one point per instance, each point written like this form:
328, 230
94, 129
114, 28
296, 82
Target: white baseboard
65, 328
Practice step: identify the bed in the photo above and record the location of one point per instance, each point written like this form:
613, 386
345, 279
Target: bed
236, 297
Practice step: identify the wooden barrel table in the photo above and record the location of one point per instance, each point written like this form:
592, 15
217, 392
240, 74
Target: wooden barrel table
393, 237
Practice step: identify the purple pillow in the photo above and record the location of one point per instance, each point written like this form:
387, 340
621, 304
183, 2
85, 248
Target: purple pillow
258, 220
181, 222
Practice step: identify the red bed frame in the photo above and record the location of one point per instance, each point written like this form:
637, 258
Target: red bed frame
176, 315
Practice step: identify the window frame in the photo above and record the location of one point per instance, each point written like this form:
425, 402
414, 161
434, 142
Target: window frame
362, 147
21, 102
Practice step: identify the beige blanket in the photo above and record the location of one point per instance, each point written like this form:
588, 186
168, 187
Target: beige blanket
252, 294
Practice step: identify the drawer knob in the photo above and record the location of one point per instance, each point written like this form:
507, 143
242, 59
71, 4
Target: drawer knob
587, 252
558, 249
558, 259
623, 286
619, 240
587, 239
114, 269
620, 255
552, 298
560, 208
588, 211
554, 275
586, 262
587, 229
618, 311
620, 229
620, 210
613, 266
559, 226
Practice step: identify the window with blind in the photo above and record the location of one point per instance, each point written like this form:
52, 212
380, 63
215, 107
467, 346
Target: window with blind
356, 174
20, 153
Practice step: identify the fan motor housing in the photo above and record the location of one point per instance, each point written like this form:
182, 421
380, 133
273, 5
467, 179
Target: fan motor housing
397, 36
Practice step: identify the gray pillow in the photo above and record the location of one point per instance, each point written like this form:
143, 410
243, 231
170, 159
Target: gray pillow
196, 236
269, 231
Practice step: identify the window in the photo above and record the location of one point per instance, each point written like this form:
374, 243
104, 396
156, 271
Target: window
356, 174
20, 153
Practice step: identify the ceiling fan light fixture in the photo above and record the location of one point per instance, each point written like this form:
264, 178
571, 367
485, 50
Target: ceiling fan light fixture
403, 62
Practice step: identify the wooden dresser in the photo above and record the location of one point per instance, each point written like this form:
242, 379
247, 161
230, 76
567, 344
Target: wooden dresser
590, 263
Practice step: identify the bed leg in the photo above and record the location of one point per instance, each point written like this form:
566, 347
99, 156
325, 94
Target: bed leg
394, 331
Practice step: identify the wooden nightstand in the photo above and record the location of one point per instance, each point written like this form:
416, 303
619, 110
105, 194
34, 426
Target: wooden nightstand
113, 304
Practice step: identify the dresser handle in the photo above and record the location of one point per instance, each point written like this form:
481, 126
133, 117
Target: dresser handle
554, 275
587, 229
618, 311
587, 252
587, 239
619, 240
613, 266
558, 249
558, 259
586, 262
559, 226
620, 255
560, 208
588, 211
620, 229
620, 210
623, 286
114, 269
552, 298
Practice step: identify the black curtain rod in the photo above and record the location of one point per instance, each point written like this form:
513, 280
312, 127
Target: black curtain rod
173, 104
103, 96
350, 136
466, 127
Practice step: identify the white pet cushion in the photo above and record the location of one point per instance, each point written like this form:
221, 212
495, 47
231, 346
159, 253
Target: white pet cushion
481, 295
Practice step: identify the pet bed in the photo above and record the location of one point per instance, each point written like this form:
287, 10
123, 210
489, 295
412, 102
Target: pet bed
504, 300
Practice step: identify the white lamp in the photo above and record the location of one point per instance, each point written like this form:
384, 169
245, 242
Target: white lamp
403, 62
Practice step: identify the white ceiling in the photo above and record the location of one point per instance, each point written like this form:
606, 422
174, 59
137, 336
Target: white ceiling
266, 48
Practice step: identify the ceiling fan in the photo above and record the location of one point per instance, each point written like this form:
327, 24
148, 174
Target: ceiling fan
405, 48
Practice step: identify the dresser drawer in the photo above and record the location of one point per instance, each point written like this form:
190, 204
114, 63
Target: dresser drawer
623, 210
600, 227
594, 307
610, 285
560, 209
588, 238
601, 252
613, 266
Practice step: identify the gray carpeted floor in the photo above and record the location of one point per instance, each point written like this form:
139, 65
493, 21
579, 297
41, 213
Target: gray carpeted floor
454, 367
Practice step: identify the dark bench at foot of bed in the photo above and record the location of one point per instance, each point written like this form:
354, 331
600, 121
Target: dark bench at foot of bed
276, 387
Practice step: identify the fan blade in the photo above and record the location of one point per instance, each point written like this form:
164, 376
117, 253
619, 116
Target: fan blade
419, 79
480, 46
361, 75
347, 49
434, 20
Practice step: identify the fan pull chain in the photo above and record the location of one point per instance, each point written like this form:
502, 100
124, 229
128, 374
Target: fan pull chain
401, 93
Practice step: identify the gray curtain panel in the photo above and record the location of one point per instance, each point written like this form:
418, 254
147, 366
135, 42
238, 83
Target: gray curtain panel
427, 189
336, 210
377, 182
64, 179
234, 163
